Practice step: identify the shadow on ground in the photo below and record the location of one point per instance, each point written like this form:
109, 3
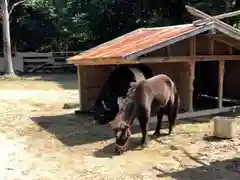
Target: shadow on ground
108, 151
134, 145
72, 130
225, 170
66, 80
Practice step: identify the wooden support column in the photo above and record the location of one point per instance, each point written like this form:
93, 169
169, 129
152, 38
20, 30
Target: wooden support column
190, 86
80, 74
192, 52
221, 70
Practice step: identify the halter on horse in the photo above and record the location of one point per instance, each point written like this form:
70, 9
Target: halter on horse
157, 93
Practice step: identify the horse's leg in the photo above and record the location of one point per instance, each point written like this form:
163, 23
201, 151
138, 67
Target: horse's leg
170, 122
156, 134
143, 121
175, 110
173, 115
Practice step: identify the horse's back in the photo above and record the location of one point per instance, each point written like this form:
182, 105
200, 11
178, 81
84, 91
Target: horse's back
160, 87
160, 82
158, 78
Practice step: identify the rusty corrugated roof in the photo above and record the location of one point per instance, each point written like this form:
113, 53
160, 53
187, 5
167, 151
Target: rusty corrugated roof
133, 42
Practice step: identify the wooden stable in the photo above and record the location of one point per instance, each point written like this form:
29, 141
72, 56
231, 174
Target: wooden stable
173, 50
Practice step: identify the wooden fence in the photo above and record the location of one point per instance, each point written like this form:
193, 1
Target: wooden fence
32, 61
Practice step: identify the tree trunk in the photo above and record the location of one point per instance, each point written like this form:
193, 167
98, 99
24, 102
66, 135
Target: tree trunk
7, 39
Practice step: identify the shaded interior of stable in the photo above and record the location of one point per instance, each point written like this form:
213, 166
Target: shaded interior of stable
206, 73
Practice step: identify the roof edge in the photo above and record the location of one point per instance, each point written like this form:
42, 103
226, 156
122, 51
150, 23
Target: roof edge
106, 43
159, 28
101, 61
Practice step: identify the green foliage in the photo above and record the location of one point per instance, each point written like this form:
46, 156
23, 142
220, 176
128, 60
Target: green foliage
54, 25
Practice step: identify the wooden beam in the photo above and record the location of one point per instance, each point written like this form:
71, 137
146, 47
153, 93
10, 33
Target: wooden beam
197, 13
164, 59
220, 35
188, 115
188, 58
221, 26
160, 60
218, 17
237, 45
101, 61
230, 31
220, 82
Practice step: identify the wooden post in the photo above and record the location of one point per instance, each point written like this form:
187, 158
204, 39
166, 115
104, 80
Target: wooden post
192, 52
220, 82
191, 87
80, 78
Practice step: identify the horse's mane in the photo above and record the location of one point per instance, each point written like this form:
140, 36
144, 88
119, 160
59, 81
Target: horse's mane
117, 122
129, 96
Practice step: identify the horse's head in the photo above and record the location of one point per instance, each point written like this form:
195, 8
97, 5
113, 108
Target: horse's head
122, 122
122, 133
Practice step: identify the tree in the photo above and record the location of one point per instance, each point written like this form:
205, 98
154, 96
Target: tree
81, 24
5, 13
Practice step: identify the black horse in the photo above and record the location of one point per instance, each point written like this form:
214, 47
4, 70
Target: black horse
158, 93
117, 85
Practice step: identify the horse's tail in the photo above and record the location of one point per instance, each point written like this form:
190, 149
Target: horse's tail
176, 102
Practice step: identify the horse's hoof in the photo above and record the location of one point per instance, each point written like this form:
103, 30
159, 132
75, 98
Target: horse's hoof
145, 144
118, 151
156, 135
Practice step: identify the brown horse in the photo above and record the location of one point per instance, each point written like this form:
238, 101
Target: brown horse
158, 93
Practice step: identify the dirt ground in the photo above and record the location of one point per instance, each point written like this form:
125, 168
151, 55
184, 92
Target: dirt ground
42, 141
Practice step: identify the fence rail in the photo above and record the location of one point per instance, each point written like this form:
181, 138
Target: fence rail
32, 61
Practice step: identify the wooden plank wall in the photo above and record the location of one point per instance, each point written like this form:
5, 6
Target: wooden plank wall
91, 81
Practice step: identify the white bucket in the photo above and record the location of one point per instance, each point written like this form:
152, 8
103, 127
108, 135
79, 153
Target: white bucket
224, 127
